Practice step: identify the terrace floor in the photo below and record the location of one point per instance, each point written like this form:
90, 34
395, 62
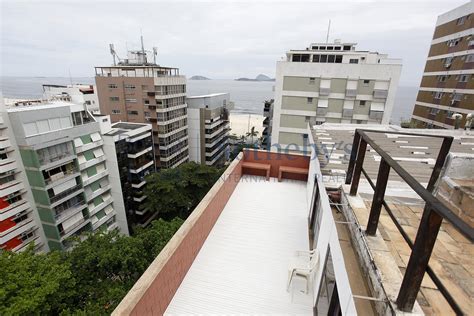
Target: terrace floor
242, 266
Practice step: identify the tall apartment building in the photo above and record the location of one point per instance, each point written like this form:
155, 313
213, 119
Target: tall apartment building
267, 124
19, 221
332, 83
447, 86
139, 91
132, 144
62, 151
208, 119
76, 93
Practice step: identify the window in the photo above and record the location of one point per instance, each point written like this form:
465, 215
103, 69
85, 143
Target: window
448, 61
306, 118
441, 78
115, 111
470, 58
434, 111
323, 58
312, 80
130, 86
471, 43
315, 58
362, 102
147, 114
331, 58
310, 100
327, 302
338, 59
132, 112
464, 78
461, 20
337, 48
438, 95
300, 57
453, 42
366, 82
131, 100
114, 99
353, 61
457, 96
330, 48
347, 47
112, 86
322, 47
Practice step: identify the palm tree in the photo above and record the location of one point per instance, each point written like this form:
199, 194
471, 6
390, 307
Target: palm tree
252, 133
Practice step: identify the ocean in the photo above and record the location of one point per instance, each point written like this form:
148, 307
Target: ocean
248, 96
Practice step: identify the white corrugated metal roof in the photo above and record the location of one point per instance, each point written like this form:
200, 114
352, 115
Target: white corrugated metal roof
243, 265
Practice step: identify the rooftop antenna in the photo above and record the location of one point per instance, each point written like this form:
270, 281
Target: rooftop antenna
327, 36
112, 51
155, 52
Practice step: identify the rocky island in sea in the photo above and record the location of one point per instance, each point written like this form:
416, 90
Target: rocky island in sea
199, 78
260, 77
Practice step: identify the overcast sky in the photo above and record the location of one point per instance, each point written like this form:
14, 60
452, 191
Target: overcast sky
217, 39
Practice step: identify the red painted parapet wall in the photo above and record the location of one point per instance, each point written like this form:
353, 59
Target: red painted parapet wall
155, 289
275, 160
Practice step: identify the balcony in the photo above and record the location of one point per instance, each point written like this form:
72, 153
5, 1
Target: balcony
95, 177
266, 122
140, 153
166, 121
219, 130
91, 162
61, 177
380, 94
100, 191
151, 93
7, 165
351, 93
89, 146
140, 167
69, 192
70, 211
47, 161
4, 142
66, 233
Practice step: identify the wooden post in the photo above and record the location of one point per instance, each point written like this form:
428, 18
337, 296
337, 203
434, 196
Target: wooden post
419, 258
358, 166
381, 185
352, 159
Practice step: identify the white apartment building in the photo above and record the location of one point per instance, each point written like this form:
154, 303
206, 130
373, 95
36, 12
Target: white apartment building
62, 150
332, 83
208, 121
19, 221
75, 93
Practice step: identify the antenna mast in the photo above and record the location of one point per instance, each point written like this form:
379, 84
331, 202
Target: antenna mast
155, 52
112, 51
327, 36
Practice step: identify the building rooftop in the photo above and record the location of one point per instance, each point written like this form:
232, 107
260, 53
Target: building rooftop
233, 252
239, 267
416, 154
128, 125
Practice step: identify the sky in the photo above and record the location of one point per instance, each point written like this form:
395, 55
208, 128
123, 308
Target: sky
216, 39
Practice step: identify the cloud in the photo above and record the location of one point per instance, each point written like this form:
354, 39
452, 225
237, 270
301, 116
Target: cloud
217, 39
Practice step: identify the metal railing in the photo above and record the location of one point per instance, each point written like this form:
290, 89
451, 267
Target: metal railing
433, 214
64, 194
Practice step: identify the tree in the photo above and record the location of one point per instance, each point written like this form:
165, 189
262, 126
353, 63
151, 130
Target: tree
252, 133
91, 279
34, 284
176, 192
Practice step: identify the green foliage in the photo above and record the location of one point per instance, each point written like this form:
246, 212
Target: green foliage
34, 284
91, 279
176, 192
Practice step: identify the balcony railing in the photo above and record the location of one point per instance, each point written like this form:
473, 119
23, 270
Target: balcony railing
68, 211
44, 160
68, 230
60, 175
64, 194
434, 213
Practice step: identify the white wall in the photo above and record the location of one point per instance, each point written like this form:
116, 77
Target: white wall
194, 132
328, 240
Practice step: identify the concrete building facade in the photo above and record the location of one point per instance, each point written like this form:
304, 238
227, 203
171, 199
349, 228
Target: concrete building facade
19, 221
132, 144
447, 86
137, 91
209, 128
76, 93
62, 150
332, 83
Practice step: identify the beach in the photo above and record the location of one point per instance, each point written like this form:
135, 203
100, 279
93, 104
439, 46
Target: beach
239, 123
